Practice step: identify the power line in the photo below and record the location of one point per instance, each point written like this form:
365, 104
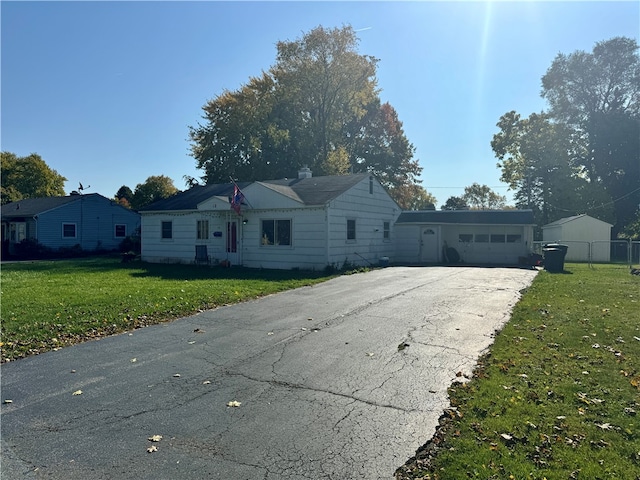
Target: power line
602, 205
498, 186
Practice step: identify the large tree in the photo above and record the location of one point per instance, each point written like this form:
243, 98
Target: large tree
154, 188
597, 95
28, 177
539, 159
317, 106
124, 196
413, 197
455, 203
481, 197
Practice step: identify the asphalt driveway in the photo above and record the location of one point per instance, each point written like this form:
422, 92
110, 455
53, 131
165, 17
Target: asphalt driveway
342, 380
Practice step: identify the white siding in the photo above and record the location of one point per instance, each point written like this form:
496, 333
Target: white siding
318, 233
308, 249
496, 250
581, 234
407, 244
370, 211
181, 248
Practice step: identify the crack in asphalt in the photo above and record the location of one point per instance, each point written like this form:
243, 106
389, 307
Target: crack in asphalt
297, 386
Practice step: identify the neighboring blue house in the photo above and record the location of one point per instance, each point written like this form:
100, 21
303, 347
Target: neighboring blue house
91, 221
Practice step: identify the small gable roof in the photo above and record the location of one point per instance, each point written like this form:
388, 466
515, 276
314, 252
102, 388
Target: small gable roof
562, 221
29, 207
315, 190
468, 217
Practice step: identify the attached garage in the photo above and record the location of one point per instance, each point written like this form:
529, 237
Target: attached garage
584, 235
477, 236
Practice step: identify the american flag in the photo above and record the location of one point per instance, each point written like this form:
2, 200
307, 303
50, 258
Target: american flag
237, 198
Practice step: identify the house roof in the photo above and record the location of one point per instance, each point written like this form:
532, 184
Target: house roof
29, 207
562, 221
190, 199
308, 191
315, 190
469, 217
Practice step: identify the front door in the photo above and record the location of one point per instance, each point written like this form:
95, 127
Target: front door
429, 244
233, 241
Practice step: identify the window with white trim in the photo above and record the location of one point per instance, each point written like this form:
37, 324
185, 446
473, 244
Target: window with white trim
69, 230
386, 230
276, 232
167, 230
351, 229
202, 229
120, 230
514, 238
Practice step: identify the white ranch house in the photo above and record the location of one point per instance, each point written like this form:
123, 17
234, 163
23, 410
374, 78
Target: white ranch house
307, 223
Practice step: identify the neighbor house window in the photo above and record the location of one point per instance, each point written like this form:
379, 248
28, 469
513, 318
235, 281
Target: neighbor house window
68, 230
351, 229
465, 238
371, 185
386, 230
167, 229
203, 229
276, 232
120, 231
497, 238
514, 238
482, 238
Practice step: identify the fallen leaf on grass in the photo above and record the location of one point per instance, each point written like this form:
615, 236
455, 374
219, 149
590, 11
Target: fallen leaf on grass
77, 392
176, 375
8, 401
604, 426
155, 438
134, 360
152, 449
206, 382
270, 333
234, 403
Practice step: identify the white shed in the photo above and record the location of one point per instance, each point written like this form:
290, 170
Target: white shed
584, 235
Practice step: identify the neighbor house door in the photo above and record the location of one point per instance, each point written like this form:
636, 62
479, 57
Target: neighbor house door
233, 243
430, 244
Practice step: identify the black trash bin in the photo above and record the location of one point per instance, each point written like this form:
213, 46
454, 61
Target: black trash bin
554, 254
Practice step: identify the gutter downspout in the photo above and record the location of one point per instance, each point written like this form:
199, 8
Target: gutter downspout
328, 231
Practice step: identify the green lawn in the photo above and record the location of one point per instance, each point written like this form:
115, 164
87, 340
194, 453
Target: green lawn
51, 304
558, 396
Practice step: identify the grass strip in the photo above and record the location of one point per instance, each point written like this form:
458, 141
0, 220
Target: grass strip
51, 304
558, 395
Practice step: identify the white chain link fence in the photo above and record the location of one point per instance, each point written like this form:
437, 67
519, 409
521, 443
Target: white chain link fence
622, 252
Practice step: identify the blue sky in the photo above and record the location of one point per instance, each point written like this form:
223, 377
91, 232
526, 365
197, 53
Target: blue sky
105, 91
